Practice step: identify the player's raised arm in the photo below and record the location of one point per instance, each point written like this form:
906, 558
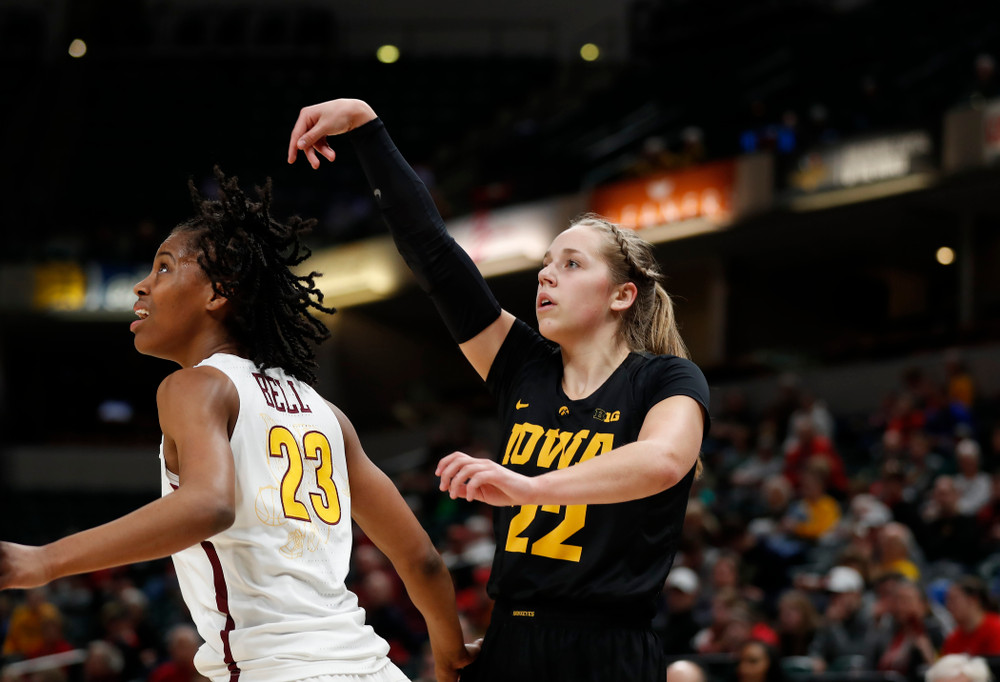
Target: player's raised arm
440, 266
194, 414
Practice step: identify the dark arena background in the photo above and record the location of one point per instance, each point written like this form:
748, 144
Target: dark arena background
821, 181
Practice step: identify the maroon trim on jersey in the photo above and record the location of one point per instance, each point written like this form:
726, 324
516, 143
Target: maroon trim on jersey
222, 603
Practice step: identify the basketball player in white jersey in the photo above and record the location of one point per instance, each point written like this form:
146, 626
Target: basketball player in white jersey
261, 476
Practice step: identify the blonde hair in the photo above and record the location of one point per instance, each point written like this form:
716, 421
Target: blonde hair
649, 324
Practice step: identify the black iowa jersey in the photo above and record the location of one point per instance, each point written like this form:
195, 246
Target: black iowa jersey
609, 554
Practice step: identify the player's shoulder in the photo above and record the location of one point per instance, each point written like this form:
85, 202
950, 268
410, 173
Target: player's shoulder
672, 365
194, 383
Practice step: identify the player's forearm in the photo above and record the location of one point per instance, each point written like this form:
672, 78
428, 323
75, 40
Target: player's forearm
629, 472
158, 529
440, 266
429, 584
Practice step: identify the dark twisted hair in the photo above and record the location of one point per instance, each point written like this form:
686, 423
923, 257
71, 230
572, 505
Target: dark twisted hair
248, 255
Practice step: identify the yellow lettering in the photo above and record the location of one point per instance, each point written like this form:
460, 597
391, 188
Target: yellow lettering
524, 454
555, 443
598, 445
514, 442
570, 452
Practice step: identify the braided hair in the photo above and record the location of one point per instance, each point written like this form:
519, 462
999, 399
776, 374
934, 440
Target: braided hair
247, 255
649, 324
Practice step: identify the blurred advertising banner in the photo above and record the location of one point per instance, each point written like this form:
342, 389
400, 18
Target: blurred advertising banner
68, 287
514, 237
704, 191
861, 162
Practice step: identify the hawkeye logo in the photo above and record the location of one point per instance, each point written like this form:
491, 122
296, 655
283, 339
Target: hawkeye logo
519, 405
564, 410
607, 417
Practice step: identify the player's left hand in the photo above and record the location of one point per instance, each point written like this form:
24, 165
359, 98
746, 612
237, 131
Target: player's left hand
21, 567
476, 478
448, 668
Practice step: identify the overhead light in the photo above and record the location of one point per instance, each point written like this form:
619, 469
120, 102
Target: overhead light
945, 255
590, 52
77, 48
387, 54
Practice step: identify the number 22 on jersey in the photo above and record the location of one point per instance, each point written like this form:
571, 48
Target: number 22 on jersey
315, 448
553, 544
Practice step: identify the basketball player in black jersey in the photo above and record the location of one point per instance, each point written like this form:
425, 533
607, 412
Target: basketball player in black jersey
602, 419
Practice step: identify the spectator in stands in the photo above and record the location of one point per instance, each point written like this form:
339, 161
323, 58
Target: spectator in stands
905, 414
810, 446
182, 644
25, 631
911, 637
797, 623
747, 477
974, 486
53, 640
958, 668
815, 513
378, 596
922, 464
819, 416
727, 574
104, 663
989, 520
685, 671
894, 552
847, 626
959, 384
677, 626
945, 534
759, 662
893, 494
977, 630
730, 625
734, 413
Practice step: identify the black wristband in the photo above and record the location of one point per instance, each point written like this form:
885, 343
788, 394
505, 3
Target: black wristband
441, 267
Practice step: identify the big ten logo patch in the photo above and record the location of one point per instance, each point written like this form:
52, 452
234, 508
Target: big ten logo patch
607, 417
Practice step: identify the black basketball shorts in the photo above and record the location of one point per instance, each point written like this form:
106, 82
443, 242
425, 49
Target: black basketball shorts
539, 644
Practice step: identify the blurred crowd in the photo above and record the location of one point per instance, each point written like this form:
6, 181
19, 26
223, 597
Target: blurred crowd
822, 541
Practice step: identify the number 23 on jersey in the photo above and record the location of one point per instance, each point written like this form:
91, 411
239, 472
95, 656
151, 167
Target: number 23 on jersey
324, 499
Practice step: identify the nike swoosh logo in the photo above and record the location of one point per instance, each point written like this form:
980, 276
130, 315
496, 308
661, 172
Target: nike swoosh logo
520, 405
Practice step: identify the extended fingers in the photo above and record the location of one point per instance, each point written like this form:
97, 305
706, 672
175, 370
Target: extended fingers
458, 470
302, 124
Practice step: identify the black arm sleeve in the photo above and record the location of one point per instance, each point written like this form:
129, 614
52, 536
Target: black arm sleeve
440, 266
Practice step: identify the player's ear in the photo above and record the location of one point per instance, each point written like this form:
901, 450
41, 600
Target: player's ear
217, 302
623, 296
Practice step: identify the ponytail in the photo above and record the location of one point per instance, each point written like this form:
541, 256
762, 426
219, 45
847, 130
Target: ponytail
664, 334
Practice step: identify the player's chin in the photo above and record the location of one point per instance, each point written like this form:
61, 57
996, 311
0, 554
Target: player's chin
144, 345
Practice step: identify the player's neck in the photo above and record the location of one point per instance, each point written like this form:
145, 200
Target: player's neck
586, 366
206, 347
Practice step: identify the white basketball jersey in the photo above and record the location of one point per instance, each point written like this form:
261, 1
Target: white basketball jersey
268, 594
